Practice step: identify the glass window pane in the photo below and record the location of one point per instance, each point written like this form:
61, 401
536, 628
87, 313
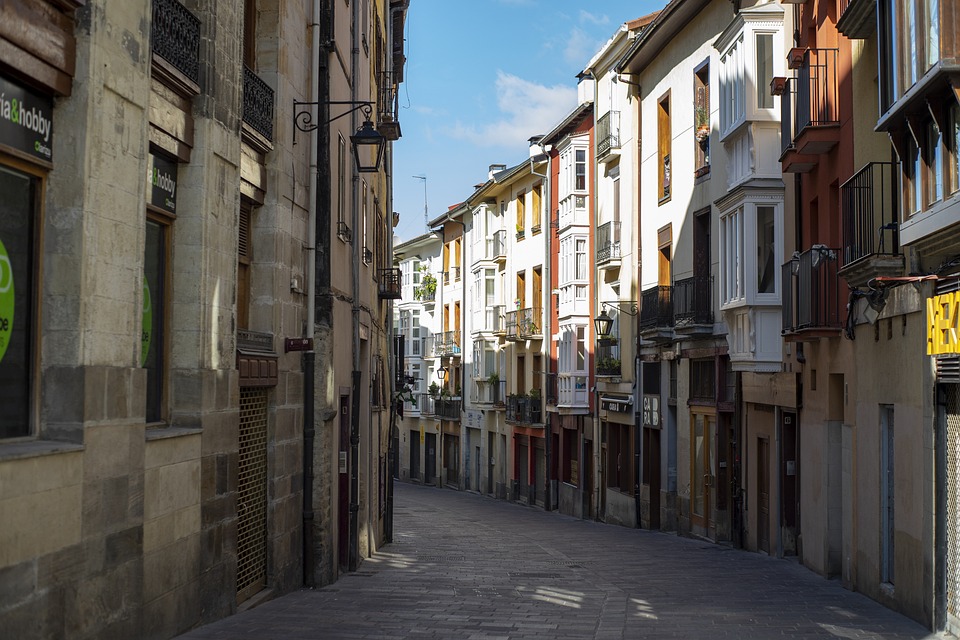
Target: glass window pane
766, 280
16, 300
153, 313
764, 70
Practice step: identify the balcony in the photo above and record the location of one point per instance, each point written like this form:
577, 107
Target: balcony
487, 392
870, 208
810, 115
390, 284
497, 246
608, 135
447, 408
522, 325
426, 290
693, 305
447, 344
656, 313
387, 124
451, 275
175, 37
608, 358
811, 293
257, 104
425, 404
524, 410
858, 18
608, 245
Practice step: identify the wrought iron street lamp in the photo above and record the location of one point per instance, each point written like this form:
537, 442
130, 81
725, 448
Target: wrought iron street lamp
368, 143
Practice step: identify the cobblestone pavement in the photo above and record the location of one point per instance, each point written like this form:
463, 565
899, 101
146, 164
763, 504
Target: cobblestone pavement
469, 567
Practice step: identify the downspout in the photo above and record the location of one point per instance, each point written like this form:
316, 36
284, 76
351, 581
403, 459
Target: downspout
354, 542
548, 429
638, 398
309, 356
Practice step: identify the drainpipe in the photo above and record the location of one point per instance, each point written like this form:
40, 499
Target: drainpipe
309, 357
548, 428
354, 542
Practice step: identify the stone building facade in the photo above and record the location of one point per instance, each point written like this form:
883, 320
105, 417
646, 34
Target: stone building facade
156, 245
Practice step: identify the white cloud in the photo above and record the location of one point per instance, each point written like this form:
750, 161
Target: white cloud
586, 16
528, 108
580, 47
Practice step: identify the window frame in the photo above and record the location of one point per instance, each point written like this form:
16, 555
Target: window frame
664, 149
38, 180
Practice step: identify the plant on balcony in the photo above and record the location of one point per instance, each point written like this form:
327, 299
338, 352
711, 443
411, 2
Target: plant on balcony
428, 286
434, 389
607, 365
534, 394
493, 379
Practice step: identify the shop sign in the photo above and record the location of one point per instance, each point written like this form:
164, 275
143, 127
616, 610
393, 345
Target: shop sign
651, 411
162, 183
26, 121
6, 300
616, 405
943, 318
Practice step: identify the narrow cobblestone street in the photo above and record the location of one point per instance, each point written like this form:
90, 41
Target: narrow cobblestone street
465, 566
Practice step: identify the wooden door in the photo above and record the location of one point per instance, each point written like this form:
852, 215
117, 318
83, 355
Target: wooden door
702, 472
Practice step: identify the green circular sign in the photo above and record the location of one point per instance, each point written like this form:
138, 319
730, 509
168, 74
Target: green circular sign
146, 330
6, 300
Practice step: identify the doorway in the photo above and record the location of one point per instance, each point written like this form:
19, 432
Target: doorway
763, 495
415, 455
430, 451
703, 474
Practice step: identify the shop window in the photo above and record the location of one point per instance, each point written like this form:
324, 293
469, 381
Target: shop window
153, 330
18, 285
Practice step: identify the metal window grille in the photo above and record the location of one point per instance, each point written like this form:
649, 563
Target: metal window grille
953, 500
252, 494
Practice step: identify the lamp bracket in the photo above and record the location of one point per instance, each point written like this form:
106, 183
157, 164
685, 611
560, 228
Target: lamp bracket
630, 310
303, 115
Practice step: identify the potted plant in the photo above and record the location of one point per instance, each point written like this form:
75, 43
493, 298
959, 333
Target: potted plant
434, 389
427, 288
493, 379
702, 132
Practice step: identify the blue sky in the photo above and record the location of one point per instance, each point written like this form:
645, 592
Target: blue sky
482, 77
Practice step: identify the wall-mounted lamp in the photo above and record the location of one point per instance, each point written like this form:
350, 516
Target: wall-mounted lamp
442, 373
819, 253
366, 139
795, 263
603, 323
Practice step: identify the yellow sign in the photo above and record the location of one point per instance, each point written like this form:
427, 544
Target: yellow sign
943, 324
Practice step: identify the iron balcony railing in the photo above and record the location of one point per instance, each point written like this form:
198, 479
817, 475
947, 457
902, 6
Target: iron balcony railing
447, 343
552, 388
870, 208
425, 404
451, 275
608, 133
257, 104
693, 301
524, 409
608, 242
528, 322
390, 284
523, 323
608, 358
175, 37
448, 408
489, 393
656, 307
811, 291
810, 98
